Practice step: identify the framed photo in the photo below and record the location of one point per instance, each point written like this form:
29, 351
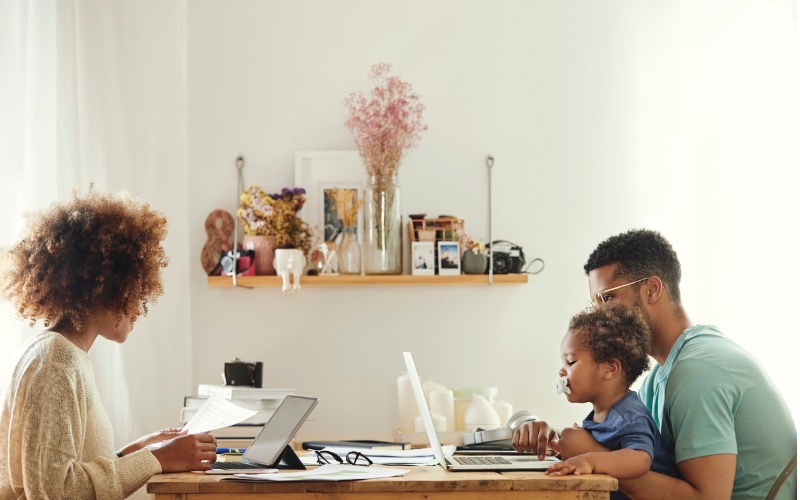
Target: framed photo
319, 172
449, 258
423, 258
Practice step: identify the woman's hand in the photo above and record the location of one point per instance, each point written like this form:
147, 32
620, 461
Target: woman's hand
191, 452
535, 436
155, 437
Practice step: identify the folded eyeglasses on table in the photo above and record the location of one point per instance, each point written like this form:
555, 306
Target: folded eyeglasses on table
352, 458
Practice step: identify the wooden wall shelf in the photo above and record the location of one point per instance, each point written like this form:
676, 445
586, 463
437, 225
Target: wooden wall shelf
386, 280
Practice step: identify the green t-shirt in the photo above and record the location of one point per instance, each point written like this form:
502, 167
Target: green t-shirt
712, 397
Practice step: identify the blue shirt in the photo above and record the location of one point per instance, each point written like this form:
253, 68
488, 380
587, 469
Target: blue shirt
629, 425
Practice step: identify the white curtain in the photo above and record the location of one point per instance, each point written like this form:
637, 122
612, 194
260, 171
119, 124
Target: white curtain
95, 92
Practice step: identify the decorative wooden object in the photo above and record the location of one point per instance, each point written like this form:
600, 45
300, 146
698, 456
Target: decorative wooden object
442, 229
219, 229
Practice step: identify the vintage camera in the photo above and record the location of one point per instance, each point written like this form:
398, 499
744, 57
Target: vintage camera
505, 258
245, 264
239, 372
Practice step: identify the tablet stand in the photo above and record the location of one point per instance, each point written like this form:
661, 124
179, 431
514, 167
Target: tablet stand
288, 459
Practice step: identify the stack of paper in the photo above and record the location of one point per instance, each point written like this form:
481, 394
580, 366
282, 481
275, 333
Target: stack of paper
330, 472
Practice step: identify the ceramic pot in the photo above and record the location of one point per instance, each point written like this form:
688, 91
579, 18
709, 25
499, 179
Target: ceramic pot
472, 263
289, 264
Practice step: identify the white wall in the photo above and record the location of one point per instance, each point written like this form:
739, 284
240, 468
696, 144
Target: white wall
602, 116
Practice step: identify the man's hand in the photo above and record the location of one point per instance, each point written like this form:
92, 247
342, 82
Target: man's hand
575, 465
187, 453
535, 436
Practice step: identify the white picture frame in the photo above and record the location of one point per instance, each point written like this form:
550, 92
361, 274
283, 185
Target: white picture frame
318, 171
449, 258
423, 258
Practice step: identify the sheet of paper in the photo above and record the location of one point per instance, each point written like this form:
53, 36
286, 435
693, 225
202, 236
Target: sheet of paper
216, 412
328, 472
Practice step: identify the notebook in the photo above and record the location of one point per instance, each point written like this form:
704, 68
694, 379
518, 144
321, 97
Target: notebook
468, 462
271, 446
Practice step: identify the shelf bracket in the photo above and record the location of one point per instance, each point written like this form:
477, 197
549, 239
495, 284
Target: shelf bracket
489, 166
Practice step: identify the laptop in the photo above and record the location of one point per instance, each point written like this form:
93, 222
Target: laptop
271, 447
470, 462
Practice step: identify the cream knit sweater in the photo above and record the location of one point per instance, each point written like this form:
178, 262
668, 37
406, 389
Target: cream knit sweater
56, 439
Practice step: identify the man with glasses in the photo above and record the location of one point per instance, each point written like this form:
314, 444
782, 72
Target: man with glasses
730, 429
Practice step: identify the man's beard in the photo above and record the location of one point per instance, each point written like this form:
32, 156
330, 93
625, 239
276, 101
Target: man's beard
638, 306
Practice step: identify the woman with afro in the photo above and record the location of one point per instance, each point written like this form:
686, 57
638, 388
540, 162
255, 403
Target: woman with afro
86, 268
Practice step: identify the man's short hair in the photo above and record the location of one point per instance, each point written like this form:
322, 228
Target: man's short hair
640, 253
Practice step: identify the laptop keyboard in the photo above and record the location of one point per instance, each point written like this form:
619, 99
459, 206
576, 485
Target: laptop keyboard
235, 465
470, 460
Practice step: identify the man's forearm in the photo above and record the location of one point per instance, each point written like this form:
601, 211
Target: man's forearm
709, 477
657, 486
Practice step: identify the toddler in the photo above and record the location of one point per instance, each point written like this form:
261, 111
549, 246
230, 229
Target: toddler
603, 352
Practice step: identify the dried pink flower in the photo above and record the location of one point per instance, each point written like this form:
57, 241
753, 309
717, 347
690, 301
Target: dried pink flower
385, 123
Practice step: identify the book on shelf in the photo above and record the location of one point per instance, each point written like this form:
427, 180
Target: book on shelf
356, 444
234, 442
242, 392
229, 457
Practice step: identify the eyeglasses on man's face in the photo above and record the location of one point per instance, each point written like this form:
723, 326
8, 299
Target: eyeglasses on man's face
603, 297
352, 458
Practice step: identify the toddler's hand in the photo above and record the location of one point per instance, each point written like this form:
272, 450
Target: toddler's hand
575, 465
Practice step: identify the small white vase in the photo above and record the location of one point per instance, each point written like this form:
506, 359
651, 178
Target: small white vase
290, 262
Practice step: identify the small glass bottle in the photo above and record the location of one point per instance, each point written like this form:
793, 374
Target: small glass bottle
349, 252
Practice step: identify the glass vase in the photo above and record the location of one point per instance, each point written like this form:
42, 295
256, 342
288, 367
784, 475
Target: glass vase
349, 252
382, 220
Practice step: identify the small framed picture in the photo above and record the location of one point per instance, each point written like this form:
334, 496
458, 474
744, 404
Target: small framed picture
449, 258
422, 258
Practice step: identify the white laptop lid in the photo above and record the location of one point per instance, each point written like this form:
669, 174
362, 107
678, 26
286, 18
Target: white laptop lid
512, 462
419, 394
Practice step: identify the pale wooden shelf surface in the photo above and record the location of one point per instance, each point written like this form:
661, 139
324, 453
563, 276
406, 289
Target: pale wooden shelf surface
356, 280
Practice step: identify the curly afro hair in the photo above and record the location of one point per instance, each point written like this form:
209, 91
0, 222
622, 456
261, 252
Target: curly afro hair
640, 253
615, 332
95, 252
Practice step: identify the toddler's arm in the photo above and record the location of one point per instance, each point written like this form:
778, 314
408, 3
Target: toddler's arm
621, 464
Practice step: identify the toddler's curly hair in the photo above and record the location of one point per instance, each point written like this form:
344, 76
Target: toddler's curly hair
93, 252
615, 332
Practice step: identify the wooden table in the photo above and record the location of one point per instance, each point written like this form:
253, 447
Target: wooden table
429, 483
